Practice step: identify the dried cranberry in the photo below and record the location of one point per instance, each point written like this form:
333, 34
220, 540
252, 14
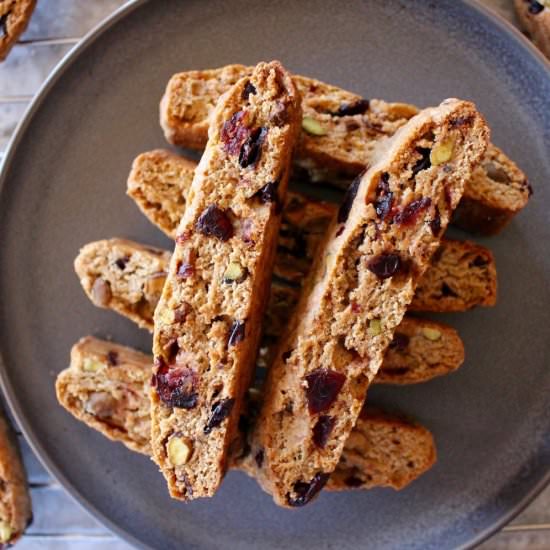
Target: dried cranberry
479, 261
121, 262
535, 7
435, 224
234, 133
268, 193
322, 430
249, 88
385, 265
236, 333
279, 114
112, 358
259, 458
423, 162
185, 270
323, 386
176, 387
347, 203
220, 411
446, 290
306, 491
181, 313
353, 481
358, 107
215, 222
251, 149
400, 341
355, 307
384, 197
462, 121
410, 213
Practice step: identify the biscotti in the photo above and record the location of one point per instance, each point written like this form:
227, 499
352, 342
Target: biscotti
462, 274
14, 18
15, 501
534, 17
113, 399
341, 131
208, 320
378, 246
107, 387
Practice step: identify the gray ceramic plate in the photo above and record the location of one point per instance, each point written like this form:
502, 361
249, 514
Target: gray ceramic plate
63, 185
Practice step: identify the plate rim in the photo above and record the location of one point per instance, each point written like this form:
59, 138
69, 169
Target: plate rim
6, 387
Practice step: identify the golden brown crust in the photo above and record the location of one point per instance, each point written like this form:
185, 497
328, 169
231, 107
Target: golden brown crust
357, 294
14, 18
15, 502
208, 320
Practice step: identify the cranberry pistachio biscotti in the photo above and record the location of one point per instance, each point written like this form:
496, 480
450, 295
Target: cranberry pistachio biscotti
341, 131
106, 388
208, 320
375, 250
14, 18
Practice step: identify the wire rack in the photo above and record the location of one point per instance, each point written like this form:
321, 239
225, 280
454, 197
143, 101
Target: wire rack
94, 536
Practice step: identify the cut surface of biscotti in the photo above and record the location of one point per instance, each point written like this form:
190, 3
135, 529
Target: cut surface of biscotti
14, 18
15, 501
107, 387
341, 131
534, 18
380, 243
114, 400
462, 274
422, 350
208, 320
124, 276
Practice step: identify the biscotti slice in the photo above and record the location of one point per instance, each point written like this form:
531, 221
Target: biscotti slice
208, 320
376, 249
462, 274
124, 276
15, 501
107, 387
383, 451
534, 18
114, 400
420, 350
14, 18
341, 131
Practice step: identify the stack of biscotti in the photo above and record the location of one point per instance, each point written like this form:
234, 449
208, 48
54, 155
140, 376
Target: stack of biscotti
341, 131
106, 387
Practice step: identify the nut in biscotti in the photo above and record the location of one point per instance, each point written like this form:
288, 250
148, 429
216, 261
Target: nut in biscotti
208, 320
374, 257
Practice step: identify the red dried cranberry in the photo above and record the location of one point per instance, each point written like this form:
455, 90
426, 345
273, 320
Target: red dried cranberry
185, 270
215, 222
410, 213
385, 265
535, 7
259, 458
220, 411
479, 261
176, 387
249, 88
384, 197
268, 193
400, 341
112, 358
353, 481
323, 386
251, 149
446, 290
306, 491
121, 262
236, 333
355, 307
322, 430
234, 133
181, 313
423, 162
358, 107
435, 224
347, 203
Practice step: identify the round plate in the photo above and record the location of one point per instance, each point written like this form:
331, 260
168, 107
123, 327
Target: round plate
64, 185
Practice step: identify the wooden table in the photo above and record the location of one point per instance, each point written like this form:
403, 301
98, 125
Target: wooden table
59, 522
